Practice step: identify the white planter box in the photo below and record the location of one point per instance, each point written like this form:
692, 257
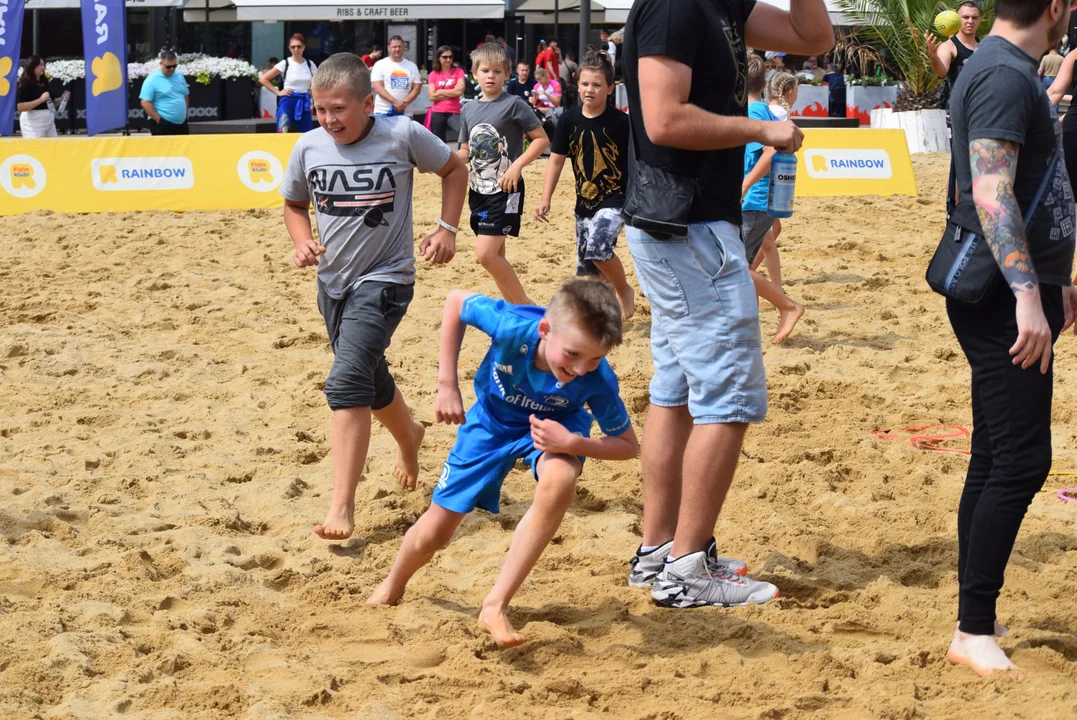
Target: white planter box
925, 130
860, 101
812, 101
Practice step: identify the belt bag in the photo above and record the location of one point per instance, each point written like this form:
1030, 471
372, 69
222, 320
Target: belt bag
658, 201
963, 267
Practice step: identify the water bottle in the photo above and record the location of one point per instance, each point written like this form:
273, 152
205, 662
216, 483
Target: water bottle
783, 184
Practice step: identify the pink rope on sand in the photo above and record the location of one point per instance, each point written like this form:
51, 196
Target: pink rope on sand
1064, 495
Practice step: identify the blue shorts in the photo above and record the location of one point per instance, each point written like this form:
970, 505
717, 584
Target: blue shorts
480, 460
705, 335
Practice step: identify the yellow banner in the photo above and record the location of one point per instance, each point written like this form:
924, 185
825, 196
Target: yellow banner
854, 162
116, 174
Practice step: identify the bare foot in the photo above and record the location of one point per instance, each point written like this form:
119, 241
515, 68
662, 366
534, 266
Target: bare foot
339, 524
406, 469
981, 653
495, 622
787, 320
384, 595
627, 297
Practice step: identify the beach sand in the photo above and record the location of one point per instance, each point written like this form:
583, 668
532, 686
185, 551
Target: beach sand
164, 455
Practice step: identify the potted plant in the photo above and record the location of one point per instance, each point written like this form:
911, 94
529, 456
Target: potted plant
899, 26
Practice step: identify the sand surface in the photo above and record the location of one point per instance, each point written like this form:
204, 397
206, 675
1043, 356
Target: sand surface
164, 454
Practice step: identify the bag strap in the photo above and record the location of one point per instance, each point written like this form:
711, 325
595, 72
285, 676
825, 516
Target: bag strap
1035, 204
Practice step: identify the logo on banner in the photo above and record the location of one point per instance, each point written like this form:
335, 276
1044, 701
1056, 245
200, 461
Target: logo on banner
849, 164
106, 73
22, 176
5, 70
142, 173
260, 171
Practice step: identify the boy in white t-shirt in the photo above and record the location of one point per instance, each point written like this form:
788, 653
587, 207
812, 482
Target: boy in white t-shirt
396, 81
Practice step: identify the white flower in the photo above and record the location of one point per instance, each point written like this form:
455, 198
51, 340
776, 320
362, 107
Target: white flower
190, 64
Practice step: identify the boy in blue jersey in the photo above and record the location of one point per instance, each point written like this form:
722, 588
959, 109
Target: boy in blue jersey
755, 194
542, 369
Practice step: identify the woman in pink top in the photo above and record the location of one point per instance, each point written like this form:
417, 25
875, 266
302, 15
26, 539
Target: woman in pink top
547, 93
445, 86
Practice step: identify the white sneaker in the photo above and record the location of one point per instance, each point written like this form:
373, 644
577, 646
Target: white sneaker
689, 581
645, 567
719, 565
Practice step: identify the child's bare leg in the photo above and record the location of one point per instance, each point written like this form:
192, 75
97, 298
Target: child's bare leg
556, 488
408, 434
979, 652
614, 272
774, 261
350, 440
789, 311
490, 252
430, 533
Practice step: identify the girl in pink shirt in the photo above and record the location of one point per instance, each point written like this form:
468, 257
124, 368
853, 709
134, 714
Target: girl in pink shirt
445, 86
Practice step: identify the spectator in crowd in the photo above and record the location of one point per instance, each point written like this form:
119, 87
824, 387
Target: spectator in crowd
1049, 66
570, 72
509, 50
609, 47
775, 63
373, 56
166, 98
396, 81
444, 86
551, 59
36, 119
540, 55
835, 80
812, 66
547, 93
522, 84
293, 98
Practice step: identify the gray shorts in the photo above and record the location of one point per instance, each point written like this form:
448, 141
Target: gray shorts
596, 237
361, 326
754, 228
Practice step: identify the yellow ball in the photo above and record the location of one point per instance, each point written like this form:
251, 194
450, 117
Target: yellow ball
947, 23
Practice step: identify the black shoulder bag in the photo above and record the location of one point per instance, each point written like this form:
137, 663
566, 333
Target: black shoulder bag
963, 267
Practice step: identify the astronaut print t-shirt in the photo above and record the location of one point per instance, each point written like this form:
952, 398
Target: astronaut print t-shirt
494, 131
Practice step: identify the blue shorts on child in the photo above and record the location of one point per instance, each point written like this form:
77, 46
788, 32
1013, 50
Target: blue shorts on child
480, 460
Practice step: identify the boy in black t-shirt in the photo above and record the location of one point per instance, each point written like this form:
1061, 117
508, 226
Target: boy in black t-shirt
596, 136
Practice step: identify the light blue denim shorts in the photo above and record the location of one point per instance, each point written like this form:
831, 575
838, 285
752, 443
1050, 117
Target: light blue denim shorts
705, 335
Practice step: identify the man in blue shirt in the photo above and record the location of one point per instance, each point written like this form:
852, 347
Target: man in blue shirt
165, 98
543, 368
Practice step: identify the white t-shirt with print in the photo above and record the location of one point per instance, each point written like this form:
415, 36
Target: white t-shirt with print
299, 75
399, 78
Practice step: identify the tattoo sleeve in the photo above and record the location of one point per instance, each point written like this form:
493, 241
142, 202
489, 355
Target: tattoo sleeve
994, 166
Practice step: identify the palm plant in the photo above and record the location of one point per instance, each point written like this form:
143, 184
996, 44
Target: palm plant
899, 26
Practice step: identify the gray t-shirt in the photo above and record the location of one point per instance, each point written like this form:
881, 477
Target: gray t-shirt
362, 199
999, 96
494, 131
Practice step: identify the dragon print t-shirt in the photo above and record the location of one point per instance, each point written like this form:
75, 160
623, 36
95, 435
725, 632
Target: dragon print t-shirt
598, 148
494, 132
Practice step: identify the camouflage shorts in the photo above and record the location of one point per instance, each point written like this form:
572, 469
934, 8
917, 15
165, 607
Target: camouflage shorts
596, 237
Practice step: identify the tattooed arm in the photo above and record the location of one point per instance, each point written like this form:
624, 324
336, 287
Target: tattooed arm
994, 167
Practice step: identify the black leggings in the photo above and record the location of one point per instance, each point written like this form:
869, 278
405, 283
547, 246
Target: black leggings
439, 124
1011, 447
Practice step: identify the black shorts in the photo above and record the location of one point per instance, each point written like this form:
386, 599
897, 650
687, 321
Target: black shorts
754, 228
360, 327
497, 214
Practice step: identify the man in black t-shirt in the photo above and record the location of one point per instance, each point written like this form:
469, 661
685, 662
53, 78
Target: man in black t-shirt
1006, 147
684, 68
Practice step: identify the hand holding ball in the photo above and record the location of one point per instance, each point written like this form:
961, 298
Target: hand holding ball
947, 23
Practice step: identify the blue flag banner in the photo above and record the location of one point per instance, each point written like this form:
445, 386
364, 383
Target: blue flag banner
104, 45
11, 12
